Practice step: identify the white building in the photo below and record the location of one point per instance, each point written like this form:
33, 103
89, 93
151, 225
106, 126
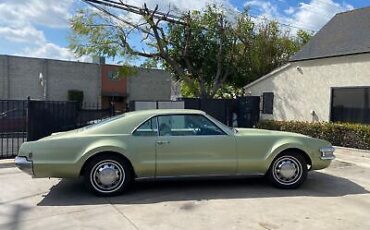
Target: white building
327, 80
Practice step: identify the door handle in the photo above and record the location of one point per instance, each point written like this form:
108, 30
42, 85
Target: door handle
163, 142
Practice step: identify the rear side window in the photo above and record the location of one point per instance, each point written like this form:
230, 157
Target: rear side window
148, 128
187, 125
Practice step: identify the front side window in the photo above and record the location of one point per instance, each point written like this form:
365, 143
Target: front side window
187, 125
148, 128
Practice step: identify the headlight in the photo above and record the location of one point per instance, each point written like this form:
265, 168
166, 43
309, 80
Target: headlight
327, 153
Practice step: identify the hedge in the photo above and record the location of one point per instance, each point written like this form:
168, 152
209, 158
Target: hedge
338, 134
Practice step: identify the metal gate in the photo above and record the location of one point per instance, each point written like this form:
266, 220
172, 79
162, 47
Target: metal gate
28, 120
13, 126
47, 117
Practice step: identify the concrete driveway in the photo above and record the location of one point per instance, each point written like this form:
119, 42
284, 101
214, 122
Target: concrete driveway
334, 198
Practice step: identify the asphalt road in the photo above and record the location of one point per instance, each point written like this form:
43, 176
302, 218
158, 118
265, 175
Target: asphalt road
334, 198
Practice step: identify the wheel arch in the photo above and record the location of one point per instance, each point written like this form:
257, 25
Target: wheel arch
296, 150
107, 153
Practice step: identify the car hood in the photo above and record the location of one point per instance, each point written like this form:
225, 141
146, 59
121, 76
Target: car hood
265, 132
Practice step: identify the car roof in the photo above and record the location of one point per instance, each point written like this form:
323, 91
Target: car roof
151, 112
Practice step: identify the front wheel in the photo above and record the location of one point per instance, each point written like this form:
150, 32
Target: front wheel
107, 175
288, 170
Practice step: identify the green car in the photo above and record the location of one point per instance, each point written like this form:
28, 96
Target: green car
171, 144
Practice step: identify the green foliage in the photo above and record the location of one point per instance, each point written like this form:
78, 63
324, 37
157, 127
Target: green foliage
339, 134
127, 71
150, 63
213, 54
76, 95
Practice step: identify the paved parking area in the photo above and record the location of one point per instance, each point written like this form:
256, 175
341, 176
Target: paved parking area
334, 198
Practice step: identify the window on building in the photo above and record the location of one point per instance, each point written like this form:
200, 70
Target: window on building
267, 102
350, 105
113, 75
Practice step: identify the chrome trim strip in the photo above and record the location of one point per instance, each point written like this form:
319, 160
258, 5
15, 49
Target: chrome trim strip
332, 157
24, 164
238, 175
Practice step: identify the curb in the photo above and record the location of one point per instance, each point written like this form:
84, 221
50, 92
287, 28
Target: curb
353, 149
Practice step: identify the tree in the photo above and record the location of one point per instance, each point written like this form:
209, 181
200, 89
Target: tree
210, 53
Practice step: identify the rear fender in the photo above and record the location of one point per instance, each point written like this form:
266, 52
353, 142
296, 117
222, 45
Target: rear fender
103, 146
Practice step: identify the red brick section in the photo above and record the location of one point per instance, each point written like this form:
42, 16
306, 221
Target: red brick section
109, 86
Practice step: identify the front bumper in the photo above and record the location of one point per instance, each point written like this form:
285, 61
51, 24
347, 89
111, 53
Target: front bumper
24, 164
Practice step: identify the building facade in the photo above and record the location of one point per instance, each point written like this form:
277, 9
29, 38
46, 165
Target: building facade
114, 87
149, 84
101, 84
45, 79
145, 84
327, 80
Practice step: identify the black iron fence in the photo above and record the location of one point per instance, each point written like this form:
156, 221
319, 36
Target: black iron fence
22, 120
13, 126
240, 112
29, 120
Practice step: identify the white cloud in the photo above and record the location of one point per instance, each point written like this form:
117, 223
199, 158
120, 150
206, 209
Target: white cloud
53, 51
310, 16
18, 24
174, 7
41, 12
23, 35
179, 5
290, 10
317, 13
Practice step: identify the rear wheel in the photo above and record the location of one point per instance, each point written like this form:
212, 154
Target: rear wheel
108, 175
288, 170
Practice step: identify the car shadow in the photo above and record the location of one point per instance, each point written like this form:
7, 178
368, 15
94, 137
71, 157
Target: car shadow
72, 192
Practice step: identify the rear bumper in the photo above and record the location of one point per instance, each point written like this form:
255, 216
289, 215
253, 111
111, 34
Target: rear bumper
24, 164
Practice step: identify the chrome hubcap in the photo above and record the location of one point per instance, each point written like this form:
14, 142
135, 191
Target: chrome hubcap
287, 170
107, 176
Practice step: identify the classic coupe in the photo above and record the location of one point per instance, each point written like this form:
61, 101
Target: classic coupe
171, 144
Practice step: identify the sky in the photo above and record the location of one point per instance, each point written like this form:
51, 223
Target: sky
40, 28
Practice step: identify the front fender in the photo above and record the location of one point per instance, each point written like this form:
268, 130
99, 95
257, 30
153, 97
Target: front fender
282, 145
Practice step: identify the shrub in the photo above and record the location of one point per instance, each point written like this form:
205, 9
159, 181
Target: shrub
339, 134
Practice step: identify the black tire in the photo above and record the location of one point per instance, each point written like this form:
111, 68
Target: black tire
295, 170
108, 175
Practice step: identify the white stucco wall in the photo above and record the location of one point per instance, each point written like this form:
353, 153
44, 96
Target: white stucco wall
297, 93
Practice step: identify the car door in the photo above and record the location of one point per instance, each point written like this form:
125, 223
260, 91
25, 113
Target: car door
143, 144
192, 145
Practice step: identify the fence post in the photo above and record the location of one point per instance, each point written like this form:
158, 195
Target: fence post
29, 119
112, 109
